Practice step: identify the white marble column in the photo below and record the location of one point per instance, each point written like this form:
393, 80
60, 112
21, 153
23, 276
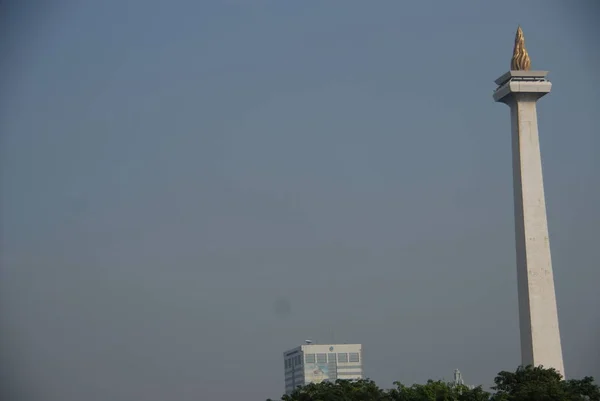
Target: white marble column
538, 315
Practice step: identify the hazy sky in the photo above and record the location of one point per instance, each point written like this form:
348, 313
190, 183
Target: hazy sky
189, 188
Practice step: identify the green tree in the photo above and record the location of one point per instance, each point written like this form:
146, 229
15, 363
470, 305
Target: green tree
525, 384
530, 383
341, 390
474, 394
431, 391
438, 391
584, 389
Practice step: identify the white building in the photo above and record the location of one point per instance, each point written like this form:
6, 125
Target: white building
458, 380
315, 363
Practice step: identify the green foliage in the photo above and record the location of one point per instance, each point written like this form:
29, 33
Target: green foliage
528, 383
538, 384
525, 384
437, 391
341, 390
583, 389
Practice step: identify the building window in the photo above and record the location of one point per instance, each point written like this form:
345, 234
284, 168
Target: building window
354, 357
331, 357
309, 358
354, 373
346, 367
321, 358
299, 360
342, 357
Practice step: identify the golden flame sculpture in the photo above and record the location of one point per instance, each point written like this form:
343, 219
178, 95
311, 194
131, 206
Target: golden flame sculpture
520, 60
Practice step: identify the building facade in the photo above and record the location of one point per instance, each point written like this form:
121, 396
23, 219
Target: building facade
315, 363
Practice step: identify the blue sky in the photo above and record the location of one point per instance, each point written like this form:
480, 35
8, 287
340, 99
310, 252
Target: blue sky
189, 188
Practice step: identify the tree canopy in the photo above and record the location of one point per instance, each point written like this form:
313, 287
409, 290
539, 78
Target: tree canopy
525, 384
539, 384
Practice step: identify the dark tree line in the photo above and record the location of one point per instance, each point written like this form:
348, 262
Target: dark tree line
525, 384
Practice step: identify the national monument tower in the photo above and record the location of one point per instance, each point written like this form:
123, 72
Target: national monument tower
520, 89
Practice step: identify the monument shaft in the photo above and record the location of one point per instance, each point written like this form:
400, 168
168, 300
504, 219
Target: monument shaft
520, 89
538, 315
